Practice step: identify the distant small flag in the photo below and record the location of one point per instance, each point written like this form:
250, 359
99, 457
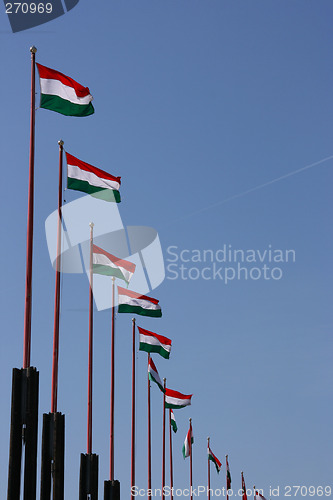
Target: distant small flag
108, 265
214, 459
187, 446
244, 495
91, 180
259, 496
151, 342
175, 399
228, 474
132, 302
153, 374
62, 94
173, 421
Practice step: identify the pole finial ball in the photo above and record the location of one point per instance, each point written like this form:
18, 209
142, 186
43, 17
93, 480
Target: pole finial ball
61, 143
91, 224
33, 50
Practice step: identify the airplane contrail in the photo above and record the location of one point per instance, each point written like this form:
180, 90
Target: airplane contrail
256, 188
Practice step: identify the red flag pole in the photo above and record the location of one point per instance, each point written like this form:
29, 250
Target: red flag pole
254, 493
191, 478
163, 457
30, 222
149, 430
55, 359
208, 492
133, 416
171, 464
90, 355
112, 388
226, 473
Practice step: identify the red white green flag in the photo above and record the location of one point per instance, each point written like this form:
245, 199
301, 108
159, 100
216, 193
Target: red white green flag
187, 446
134, 303
214, 459
107, 264
151, 342
173, 421
91, 180
62, 94
259, 496
228, 474
175, 399
244, 495
153, 374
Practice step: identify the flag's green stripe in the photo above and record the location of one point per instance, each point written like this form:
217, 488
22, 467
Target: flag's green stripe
172, 406
174, 425
154, 380
97, 192
154, 348
214, 462
108, 271
183, 450
125, 308
56, 103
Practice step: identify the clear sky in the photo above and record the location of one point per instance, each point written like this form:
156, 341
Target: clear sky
196, 101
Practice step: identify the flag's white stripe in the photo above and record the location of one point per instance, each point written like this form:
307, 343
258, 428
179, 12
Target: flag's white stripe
75, 172
103, 260
155, 375
177, 401
173, 417
147, 339
55, 87
131, 301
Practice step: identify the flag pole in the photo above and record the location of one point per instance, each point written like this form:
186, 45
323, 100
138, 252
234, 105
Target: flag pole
191, 478
254, 492
133, 415
171, 464
149, 430
112, 388
90, 355
226, 473
55, 359
208, 492
163, 457
30, 221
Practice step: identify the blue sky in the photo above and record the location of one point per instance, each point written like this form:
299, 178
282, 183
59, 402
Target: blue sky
195, 102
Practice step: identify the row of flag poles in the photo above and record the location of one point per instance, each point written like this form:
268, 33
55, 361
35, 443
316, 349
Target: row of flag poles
64, 95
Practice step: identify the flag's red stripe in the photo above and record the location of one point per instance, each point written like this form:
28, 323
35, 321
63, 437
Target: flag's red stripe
134, 295
175, 394
52, 74
160, 338
129, 266
71, 160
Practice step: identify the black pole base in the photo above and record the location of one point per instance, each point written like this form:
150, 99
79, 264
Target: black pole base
23, 430
53, 456
88, 476
112, 490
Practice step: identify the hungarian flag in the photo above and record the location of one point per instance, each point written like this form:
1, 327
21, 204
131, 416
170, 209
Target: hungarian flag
107, 264
228, 474
173, 421
153, 374
258, 496
187, 446
151, 342
244, 495
62, 94
132, 302
174, 399
84, 177
214, 459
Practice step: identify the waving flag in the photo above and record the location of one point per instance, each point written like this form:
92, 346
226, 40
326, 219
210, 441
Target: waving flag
151, 342
62, 94
107, 264
173, 421
91, 180
132, 302
214, 459
244, 495
187, 446
228, 474
153, 374
174, 399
